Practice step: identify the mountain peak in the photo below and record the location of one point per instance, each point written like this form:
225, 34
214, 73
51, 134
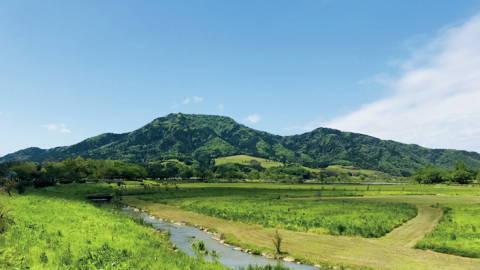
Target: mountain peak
204, 137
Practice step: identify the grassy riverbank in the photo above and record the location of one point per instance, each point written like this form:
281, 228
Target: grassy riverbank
57, 230
393, 251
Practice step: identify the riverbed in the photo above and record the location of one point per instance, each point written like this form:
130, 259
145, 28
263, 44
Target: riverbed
183, 236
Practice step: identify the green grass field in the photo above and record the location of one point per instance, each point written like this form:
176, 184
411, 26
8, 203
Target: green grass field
333, 217
395, 250
245, 160
351, 169
458, 232
57, 228
57, 233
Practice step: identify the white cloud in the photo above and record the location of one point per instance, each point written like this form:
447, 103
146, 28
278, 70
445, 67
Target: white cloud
435, 102
62, 128
51, 127
252, 119
221, 107
1, 113
174, 105
186, 101
197, 99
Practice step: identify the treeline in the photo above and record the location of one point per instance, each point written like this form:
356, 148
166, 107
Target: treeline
460, 174
49, 172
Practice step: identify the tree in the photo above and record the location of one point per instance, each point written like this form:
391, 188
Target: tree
187, 173
460, 176
461, 173
253, 174
208, 174
277, 241
8, 184
198, 174
26, 171
321, 176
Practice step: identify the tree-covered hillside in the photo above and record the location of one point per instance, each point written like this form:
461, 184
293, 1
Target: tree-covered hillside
204, 137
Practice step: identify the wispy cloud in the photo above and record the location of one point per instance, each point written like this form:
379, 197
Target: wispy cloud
221, 107
252, 119
62, 128
435, 100
1, 113
187, 100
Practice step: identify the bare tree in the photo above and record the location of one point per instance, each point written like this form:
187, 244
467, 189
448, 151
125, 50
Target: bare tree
277, 241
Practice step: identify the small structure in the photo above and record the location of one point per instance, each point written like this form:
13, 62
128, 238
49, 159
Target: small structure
100, 197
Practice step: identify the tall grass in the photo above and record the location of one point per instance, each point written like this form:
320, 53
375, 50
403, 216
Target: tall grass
335, 217
458, 232
57, 233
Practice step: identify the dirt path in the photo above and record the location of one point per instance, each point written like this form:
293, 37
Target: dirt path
394, 251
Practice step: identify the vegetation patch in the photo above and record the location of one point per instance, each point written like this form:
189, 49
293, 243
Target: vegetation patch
457, 233
338, 218
56, 233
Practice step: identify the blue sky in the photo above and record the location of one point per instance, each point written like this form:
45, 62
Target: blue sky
70, 70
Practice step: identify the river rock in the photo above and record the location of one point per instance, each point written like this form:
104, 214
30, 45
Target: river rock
264, 253
318, 266
217, 236
180, 223
289, 259
161, 231
238, 248
221, 241
227, 245
270, 256
248, 250
136, 209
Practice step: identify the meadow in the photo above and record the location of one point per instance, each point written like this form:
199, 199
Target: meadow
57, 228
54, 229
369, 220
457, 233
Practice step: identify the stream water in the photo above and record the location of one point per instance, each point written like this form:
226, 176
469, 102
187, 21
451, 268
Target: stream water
182, 236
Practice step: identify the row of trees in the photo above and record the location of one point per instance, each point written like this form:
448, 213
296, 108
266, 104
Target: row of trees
49, 172
460, 174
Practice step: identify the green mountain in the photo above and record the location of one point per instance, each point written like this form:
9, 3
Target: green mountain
204, 137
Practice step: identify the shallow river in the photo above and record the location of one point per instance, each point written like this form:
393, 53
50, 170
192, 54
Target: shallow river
182, 237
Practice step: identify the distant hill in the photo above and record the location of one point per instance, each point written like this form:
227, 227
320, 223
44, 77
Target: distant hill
205, 137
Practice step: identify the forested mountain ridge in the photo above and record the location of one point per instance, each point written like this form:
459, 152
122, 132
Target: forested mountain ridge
204, 137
